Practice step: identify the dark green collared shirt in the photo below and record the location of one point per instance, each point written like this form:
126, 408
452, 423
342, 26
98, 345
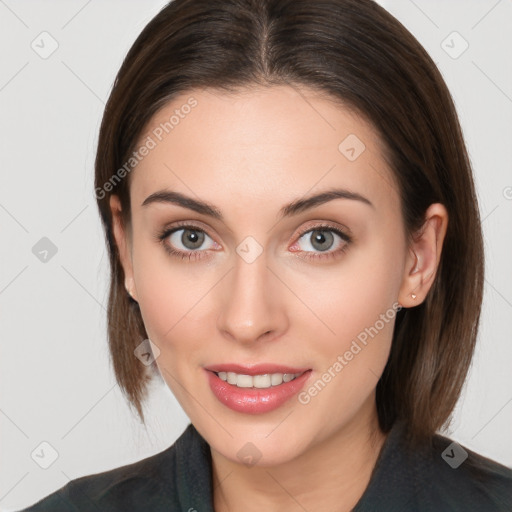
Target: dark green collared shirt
440, 477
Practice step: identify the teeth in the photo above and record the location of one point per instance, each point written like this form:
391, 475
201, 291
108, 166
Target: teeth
257, 381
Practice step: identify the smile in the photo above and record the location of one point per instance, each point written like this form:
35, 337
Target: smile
255, 394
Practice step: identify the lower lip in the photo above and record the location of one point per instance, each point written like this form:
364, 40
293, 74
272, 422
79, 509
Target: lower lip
255, 400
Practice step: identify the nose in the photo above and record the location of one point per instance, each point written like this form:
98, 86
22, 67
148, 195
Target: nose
251, 305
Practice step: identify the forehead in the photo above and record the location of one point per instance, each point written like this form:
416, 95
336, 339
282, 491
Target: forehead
276, 142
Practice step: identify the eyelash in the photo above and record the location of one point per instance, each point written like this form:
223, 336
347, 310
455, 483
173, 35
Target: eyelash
195, 255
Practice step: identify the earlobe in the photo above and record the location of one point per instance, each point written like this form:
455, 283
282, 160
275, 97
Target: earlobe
123, 244
424, 257
128, 284
416, 268
409, 296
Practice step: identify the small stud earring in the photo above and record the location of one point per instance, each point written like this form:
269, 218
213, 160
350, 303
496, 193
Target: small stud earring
413, 295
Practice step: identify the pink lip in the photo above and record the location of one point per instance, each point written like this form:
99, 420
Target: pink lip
256, 369
252, 400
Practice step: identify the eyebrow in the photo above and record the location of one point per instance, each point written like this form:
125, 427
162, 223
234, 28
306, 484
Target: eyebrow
293, 208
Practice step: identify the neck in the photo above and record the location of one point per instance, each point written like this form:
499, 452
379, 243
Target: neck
330, 475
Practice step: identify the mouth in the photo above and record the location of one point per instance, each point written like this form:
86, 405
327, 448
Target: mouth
251, 391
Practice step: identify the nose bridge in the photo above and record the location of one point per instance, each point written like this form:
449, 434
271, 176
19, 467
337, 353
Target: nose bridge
251, 306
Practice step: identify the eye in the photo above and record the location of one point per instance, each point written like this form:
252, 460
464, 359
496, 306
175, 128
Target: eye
189, 238
186, 241
322, 238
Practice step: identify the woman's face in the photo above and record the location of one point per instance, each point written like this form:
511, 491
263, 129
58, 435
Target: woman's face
252, 285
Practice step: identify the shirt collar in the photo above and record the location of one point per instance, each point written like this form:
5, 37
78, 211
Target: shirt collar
392, 485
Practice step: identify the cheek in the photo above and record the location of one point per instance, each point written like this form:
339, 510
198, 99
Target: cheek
351, 296
173, 297
358, 305
170, 302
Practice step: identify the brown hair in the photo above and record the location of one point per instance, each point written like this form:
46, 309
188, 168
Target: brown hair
358, 54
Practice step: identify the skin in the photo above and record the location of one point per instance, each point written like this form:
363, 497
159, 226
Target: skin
249, 154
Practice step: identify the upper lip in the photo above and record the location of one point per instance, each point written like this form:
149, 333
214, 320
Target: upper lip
256, 369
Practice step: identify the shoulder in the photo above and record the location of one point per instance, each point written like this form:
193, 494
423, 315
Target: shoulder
436, 475
147, 484
457, 478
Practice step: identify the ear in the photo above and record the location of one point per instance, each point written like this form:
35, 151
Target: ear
423, 257
123, 242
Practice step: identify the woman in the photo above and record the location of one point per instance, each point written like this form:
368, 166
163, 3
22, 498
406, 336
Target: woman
296, 250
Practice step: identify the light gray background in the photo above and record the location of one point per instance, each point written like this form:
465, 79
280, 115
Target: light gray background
57, 385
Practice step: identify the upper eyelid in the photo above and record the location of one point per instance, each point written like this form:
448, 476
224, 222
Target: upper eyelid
189, 225
326, 226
